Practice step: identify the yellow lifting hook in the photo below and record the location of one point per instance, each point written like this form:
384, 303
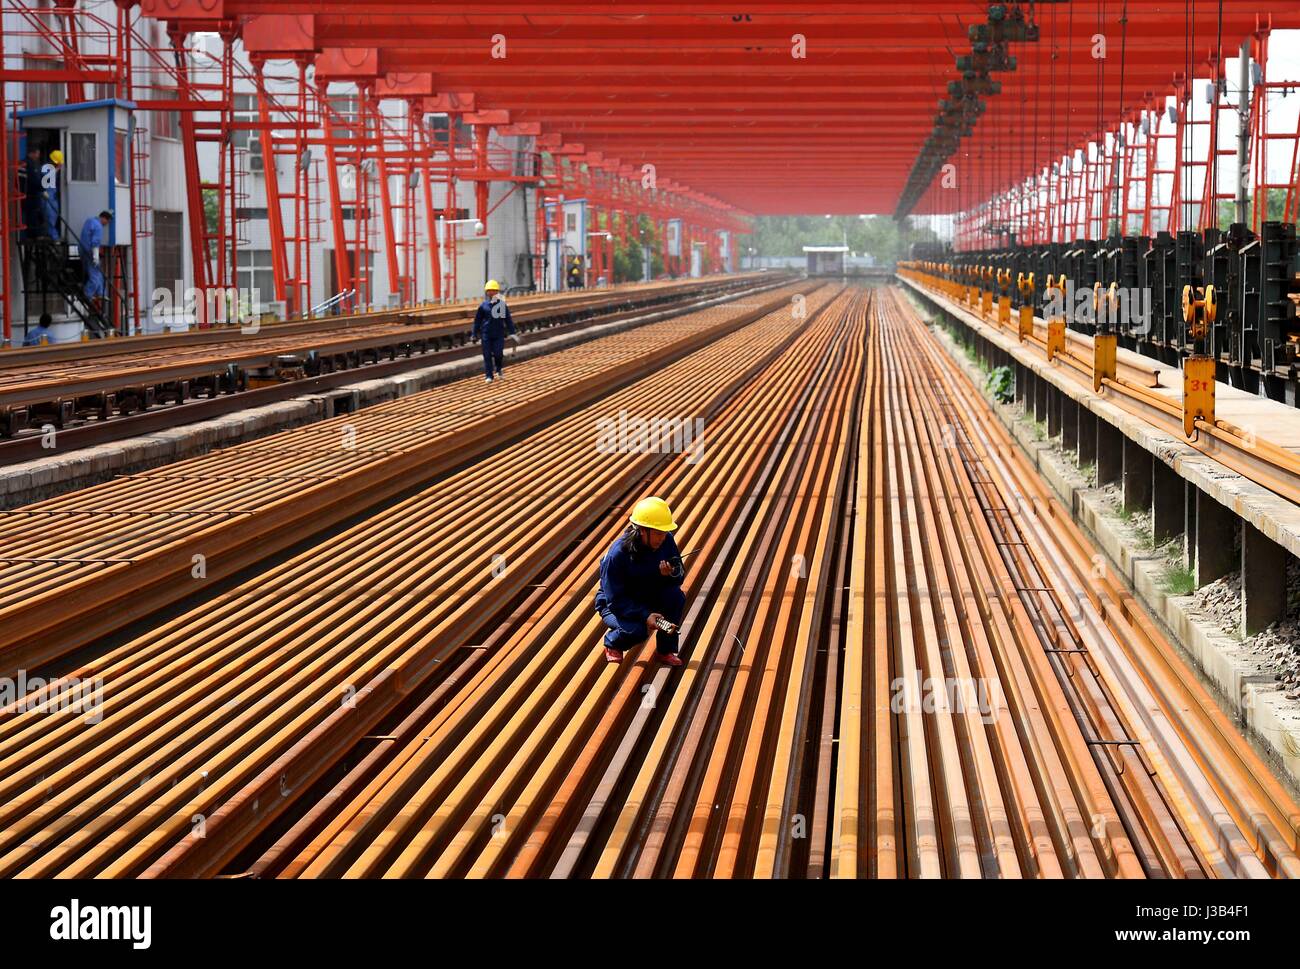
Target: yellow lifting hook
1200, 309
1055, 320
1025, 283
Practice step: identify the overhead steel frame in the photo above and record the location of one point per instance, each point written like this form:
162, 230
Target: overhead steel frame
200, 86
1119, 178
1264, 140
1164, 167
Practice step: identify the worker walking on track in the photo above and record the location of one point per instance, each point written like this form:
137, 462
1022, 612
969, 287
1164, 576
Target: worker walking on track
641, 585
492, 324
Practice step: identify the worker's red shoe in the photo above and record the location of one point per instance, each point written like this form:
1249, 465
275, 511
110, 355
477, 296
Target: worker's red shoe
669, 659
613, 656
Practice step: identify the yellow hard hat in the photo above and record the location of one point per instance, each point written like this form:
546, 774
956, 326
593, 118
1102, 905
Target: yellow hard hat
492, 284
56, 156
653, 513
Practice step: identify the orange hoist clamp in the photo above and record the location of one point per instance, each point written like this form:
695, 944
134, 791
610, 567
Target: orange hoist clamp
1200, 309
986, 291
1056, 296
1112, 305
1103, 345
1025, 283
1004, 298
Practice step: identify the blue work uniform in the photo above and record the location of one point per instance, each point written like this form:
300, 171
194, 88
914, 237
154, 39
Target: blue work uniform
492, 323
50, 199
36, 334
632, 587
92, 237
33, 202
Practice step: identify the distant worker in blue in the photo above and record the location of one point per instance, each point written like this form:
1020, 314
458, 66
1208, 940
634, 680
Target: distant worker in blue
42, 332
50, 194
492, 324
33, 205
641, 585
90, 240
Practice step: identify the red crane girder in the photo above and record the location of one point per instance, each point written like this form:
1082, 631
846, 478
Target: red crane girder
792, 106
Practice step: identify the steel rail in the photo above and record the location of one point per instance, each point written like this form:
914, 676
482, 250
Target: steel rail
126, 548
23, 359
213, 700
846, 444
405, 357
559, 639
1224, 796
1026, 618
82, 371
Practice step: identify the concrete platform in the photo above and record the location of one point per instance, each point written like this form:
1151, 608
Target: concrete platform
1133, 452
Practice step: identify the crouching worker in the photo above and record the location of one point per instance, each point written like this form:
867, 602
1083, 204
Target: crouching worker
641, 585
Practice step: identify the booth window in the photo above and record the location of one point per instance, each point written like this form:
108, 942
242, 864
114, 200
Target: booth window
121, 157
82, 144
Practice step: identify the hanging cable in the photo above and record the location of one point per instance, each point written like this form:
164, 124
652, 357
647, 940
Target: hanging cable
1122, 141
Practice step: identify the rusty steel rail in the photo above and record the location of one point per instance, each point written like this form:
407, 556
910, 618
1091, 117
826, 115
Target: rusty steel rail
65, 380
861, 524
544, 762
401, 359
520, 770
1096, 754
79, 566
217, 719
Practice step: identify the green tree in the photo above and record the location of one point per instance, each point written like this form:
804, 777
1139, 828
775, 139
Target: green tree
880, 237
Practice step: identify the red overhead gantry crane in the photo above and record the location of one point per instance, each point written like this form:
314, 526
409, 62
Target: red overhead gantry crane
706, 112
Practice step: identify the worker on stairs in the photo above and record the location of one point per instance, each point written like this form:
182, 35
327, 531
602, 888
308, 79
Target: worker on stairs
641, 585
90, 241
50, 195
492, 323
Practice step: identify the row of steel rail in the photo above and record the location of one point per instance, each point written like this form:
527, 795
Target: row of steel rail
74, 371
543, 760
81, 565
229, 710
1094, 751
1087, 752
421, 693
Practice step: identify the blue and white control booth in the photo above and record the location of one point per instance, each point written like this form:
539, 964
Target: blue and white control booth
563, 246
95, 138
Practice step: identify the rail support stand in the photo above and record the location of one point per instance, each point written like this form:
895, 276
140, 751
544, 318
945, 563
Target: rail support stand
1087, 435
1103, 359
1263, 580
1069, 423
1216, 528
1137, 477
1168, 503
1110, 454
